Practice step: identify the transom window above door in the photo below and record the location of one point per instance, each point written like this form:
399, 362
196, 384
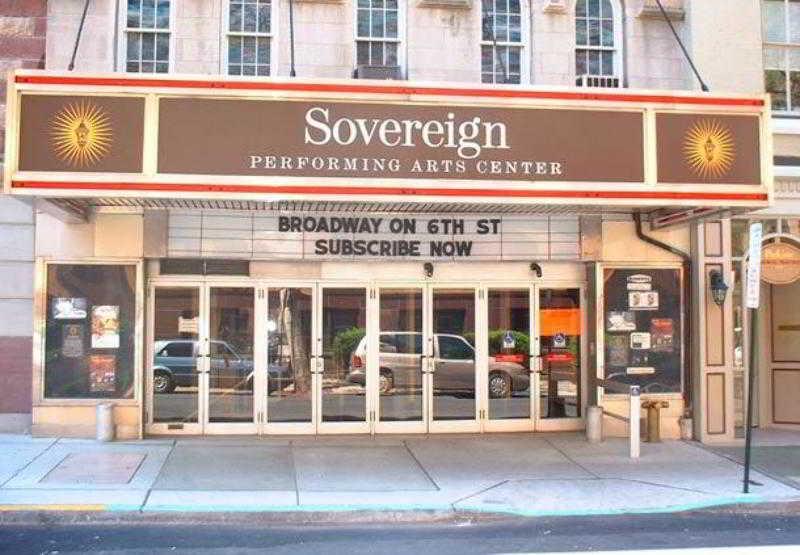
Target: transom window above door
249, 37
501, 41
147, 36
781, 32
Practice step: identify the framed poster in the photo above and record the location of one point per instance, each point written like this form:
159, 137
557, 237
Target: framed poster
105, 327
102, 373
69, 308
72, 340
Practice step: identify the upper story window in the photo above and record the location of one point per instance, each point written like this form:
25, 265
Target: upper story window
249, 37
146, 36
377, 33
501, 41
595, 39
781, 32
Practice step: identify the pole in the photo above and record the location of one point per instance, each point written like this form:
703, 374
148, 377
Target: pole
292, 72
634, 416
751, 367
71, 65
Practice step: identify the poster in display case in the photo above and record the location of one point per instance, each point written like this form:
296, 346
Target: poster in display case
102, 373
105, 327
643, 328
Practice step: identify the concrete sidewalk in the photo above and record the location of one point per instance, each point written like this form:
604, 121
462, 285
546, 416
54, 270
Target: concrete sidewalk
519, 474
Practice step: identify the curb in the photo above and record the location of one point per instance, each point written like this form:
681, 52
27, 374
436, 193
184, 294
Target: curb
103, 514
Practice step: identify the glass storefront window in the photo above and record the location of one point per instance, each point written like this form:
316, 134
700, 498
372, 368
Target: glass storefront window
90, 329
739, 237
560, 336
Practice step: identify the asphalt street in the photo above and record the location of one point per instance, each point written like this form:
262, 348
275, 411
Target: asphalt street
564, 534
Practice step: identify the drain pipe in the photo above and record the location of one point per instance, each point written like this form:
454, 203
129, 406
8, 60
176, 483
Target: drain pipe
687, 306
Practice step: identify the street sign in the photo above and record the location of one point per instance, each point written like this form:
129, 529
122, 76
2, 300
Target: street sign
754, 266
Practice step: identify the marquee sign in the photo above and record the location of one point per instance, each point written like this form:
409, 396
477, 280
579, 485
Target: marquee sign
122, 136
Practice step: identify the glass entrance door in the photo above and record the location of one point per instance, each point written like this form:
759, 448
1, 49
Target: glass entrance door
202, 375
341, 379
451, 359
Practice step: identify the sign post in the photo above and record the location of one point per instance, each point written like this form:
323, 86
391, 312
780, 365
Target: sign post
752, 301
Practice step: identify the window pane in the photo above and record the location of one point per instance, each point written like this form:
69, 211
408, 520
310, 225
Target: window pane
775, 84
773, 57
263, 51
391, 4
89, 339
581, 32
133, 46
794, 76
235, 17
594, 32
514, 29
486, 59
514, 7
488, 27
148, 67
134, 20
362, 53
162, 15
607, 60
162, 47
580, 62
594, 8
248, 70
794, 21
148, 13
249, 50
793, 55
235, 50
594, 62
376, 53
606, 11
501, 27
264, 17
234, 69
391, 54
391, 24
514, 65
774, 20
580, 8
148, 46
250, 18
377, 23
263, 70
607, 30
363, 23
162, 67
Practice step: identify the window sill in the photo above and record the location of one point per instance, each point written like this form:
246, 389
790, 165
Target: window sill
787, 125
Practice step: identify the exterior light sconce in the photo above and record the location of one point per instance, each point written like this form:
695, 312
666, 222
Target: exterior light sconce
428, 268
536, 269
719, 289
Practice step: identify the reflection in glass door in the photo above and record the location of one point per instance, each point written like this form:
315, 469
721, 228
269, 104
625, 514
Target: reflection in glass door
451, 347
510, 342
400, 360
343, 383
175, 377
560, 322
231, 375
289, 356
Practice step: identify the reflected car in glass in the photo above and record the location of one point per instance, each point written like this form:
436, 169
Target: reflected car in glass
175, 365
400, 359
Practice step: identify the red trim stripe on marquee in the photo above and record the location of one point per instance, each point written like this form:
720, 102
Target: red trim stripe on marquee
382, 89
387, 191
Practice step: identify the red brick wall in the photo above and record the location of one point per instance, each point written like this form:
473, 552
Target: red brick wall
15, 374
22, 41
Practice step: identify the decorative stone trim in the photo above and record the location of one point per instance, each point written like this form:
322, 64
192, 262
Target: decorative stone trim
674, 9
554, 6
445, 4
787, 189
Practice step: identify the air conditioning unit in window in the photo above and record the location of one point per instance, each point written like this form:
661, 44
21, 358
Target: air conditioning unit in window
378, 72
599, 81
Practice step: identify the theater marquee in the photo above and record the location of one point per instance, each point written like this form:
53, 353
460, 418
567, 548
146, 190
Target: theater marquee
156, 137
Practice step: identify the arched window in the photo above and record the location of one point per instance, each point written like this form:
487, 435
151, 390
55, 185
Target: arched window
501, 41
596, 47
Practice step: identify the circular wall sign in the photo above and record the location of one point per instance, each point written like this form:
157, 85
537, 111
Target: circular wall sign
780, 263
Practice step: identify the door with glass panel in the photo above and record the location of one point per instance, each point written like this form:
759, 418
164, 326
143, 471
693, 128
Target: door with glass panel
509, 372
451, 360
342, 346
202, 376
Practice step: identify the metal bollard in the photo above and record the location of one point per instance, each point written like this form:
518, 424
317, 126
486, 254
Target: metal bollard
105, 422
654, 419
594, 424
634, 416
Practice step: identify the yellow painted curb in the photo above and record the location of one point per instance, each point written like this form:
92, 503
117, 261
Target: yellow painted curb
9, 508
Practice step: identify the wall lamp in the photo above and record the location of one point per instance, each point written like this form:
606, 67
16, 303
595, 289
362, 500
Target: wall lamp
719, 289
428, 268
536, 269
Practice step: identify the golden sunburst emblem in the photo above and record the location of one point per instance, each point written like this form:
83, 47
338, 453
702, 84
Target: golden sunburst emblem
709, 149
81, 134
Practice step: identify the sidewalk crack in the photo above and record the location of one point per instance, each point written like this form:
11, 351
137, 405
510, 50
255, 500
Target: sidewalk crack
570, 459
479, 492
30, 462
424, 470
294, 473
158, 475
